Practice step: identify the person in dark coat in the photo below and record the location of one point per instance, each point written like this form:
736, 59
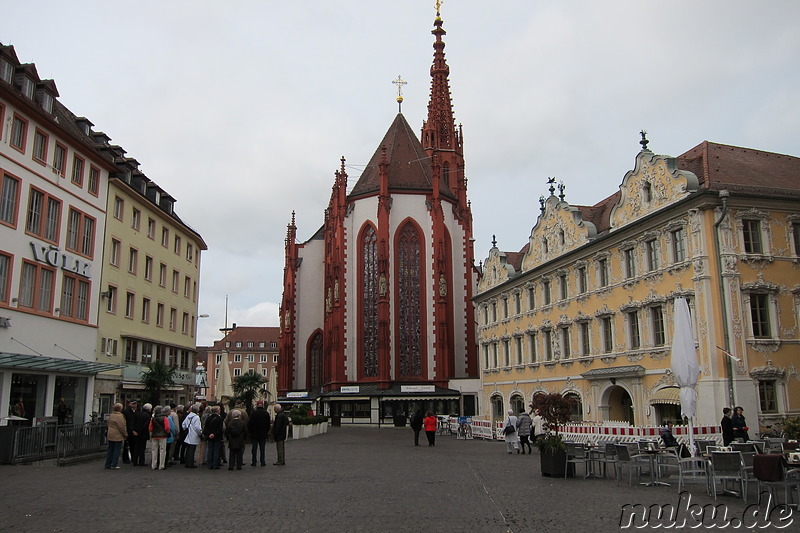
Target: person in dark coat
213, 430
727, 426
236, 433
279, 434
258, 427
129, 444
740, 428
416, 425
141, 432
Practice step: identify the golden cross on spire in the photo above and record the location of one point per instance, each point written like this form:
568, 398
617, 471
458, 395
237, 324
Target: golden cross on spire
399, 82
439, 6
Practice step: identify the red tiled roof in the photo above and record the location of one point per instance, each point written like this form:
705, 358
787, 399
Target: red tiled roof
409, 165
719, 166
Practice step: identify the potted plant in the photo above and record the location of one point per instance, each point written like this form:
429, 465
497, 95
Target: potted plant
556, 410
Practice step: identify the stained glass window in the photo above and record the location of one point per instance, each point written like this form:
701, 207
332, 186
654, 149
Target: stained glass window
410, 303
370, 301
315, 357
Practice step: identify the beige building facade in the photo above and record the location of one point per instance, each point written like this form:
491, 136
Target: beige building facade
585, 308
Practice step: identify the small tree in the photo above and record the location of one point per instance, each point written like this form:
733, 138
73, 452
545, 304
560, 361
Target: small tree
247, 387
156, 378
556, 410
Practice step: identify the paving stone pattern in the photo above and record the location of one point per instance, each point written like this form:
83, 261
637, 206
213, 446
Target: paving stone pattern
352, 479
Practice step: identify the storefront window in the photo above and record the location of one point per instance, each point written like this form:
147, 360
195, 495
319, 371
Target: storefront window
73, 390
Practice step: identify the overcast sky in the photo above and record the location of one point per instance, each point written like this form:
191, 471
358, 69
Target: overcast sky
242, 109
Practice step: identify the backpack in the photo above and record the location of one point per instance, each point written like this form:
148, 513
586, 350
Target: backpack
235, 431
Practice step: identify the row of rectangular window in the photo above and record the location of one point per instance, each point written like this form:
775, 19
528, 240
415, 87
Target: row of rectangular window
238, 372
43, 217
136, 216
19, 140
251, 344
145, 352
189, 285
658, 339
37, 290
251, 358
187, 321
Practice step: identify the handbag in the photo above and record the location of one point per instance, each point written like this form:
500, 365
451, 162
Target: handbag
509, 429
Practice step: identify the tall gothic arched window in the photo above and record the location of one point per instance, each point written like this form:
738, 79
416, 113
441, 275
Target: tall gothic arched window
369, 301
409, 309
315, 362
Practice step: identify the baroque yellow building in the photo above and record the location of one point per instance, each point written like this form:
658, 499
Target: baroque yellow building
585, 308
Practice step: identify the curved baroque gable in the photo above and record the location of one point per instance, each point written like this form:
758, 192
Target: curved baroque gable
653, 184
559, 229
496, 270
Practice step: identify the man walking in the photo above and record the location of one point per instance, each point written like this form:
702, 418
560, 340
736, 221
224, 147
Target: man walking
279, 434
258, 427
141, 432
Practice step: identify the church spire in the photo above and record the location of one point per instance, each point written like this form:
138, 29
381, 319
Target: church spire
439, 131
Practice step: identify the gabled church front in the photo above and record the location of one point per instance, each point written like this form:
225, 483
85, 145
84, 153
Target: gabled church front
377, 318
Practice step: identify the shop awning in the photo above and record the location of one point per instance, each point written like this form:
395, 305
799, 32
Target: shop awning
667, 395
43, 363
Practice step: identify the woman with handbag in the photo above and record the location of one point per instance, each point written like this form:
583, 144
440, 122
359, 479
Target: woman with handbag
510, 432
739, 425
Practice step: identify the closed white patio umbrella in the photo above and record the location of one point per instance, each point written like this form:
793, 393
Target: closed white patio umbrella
685, 366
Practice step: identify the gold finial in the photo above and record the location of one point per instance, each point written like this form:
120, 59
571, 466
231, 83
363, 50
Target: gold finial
399, 82
439, 6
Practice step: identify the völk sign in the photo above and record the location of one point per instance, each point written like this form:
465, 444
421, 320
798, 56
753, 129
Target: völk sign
52, 256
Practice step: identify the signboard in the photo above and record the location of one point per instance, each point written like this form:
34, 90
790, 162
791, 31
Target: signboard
417, 388
297, 394
350, 389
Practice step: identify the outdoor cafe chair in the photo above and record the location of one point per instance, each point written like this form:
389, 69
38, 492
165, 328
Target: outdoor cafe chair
625, 459
728, 467
693, 470
610, 457
774, 444
702, 444
743, 447
759, 445
577, 453
789, 446
771, 473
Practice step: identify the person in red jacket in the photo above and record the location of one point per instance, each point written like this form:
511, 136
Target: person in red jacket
430, 428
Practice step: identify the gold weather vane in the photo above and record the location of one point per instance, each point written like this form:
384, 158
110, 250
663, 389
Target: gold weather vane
399, 82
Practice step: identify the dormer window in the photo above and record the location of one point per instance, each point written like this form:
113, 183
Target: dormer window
47, 102
28, 88
6, 71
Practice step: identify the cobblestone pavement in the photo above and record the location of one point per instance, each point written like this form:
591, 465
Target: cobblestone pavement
350, 479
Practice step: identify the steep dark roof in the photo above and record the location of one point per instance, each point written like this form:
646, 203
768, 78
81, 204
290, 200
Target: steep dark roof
409, 165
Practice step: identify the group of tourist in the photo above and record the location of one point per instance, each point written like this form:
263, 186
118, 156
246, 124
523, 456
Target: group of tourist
193, 435
523, 430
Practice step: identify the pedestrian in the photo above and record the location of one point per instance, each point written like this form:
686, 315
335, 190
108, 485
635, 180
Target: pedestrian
279, 434
740, 428
667, 437
213, 431
524, 426
178, 455
727, 426
538, 425
159, 429
61, 412
416, 424
117, 433
236, 434
130, 443
510, 432
430, 427
258, 428
192, 438
140, 430
205, 412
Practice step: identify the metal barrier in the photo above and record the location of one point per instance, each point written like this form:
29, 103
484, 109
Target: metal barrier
56, 442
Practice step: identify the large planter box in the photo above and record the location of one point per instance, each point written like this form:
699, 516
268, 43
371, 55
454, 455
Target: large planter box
553, 463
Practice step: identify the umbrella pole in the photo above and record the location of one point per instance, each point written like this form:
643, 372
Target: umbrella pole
692, 449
